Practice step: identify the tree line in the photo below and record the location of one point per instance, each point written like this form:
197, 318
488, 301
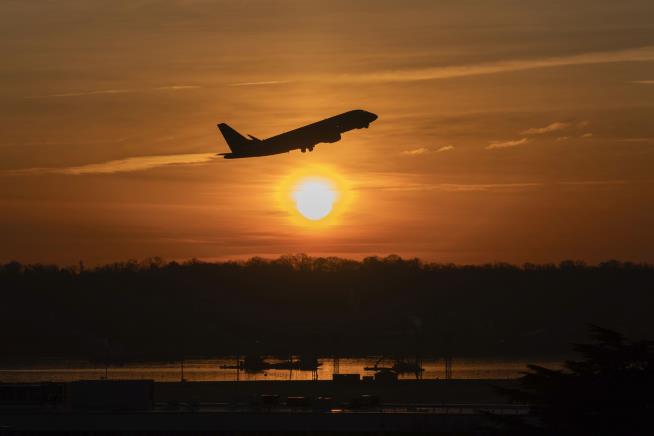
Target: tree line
155, 309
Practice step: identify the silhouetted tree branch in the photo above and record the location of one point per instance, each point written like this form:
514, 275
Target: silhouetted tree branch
607, 392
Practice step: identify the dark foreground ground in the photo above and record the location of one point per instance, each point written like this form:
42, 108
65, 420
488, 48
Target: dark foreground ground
402, 391
432, 406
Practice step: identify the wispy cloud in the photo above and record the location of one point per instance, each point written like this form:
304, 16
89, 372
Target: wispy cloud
115, 91
587, 135
555, 126
83, 93
425, 150
409, 183
416, 151
459, 187
177, 87
54, 143
268, 82
644, 82
639, 54
594, 182
400, 181
637, 140
130, 164
506, 144
562, 138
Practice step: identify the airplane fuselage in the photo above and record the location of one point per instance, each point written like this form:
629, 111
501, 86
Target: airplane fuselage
304, 138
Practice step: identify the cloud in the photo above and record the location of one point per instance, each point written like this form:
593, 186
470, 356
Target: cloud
403, 181
637, 140
177, 87
83, 93
558, 125
129, 164
459, 187
424, 150
269, 82
644, 82
562, 138
639, 54
52, 143
594, 182
409, 183
397, 182
587, 135
495, 144
116, 91
416, 151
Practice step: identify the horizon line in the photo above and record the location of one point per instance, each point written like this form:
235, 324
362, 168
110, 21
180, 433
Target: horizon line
244, 261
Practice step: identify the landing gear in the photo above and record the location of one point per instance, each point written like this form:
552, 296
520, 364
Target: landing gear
310, 148
303, 150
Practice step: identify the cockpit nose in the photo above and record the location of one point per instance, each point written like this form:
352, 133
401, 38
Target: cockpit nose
372, 116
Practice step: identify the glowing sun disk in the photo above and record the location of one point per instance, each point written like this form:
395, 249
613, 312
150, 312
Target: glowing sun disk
314, 198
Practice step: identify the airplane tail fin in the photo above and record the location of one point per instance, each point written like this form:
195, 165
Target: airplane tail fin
234, 140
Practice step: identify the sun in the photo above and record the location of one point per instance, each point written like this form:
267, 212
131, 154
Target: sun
314, 198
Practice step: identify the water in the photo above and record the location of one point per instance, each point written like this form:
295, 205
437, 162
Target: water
209, 370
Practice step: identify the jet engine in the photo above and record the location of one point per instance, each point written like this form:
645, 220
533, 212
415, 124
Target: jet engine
332, 138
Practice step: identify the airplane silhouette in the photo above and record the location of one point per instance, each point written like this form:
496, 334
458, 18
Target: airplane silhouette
303, 138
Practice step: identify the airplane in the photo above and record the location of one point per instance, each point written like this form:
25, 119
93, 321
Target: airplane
303, 138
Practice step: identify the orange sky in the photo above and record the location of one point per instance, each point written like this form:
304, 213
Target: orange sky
507, 131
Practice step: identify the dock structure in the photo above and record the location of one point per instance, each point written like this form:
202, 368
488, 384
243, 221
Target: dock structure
400, 366
255, 363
